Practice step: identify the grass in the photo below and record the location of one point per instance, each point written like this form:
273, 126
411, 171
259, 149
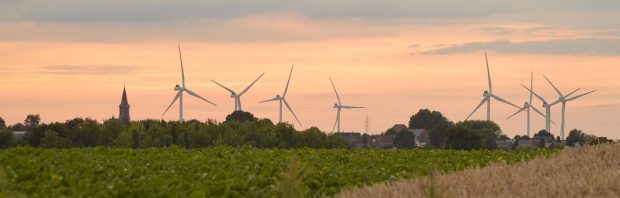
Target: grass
575, 172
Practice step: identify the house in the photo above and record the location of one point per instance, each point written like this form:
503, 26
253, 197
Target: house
398, 127
353, 139
381, 141
525, 143
422, 137
504, 144
19, 135
548, 140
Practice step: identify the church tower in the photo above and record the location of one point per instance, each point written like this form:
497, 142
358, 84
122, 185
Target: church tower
124, 108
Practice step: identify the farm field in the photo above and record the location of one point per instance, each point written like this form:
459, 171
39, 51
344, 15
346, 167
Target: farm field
592, 171
224, 171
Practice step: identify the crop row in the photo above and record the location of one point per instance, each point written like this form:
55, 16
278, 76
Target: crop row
223, 171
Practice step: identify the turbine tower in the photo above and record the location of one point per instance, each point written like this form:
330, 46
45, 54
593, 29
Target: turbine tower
282, 99
528, 106
180, 89
236, 96
339, 107
488, 95
563, 99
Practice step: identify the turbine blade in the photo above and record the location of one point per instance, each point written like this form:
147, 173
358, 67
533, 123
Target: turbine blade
273, 99
334, 86
531, 86
537, 111
478, 107
519, 111
247, 88
488, 72
190, 92
571, 93
230, 90
532, 92
291, 109
556, 89
556, 102
173, 100
504, 101
288, 82
181, 59
579, 96
352, 107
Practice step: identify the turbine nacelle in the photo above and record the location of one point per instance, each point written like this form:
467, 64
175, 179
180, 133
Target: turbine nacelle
178, 88
336, 105
486, 94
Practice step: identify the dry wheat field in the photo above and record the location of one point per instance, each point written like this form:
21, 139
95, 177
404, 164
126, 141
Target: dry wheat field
592, 171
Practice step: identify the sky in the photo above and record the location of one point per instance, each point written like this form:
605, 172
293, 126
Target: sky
69, 58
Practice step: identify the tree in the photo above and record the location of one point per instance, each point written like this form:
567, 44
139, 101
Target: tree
110, 130
462, 138
51, 139
488, 131
432, 121
32, 121
404, 140
391, 132
575, 136
600, 140
543, 133
504, 137
6, 138
2, 123
541, 144
517, 137
87, 134
365, 139
240, 116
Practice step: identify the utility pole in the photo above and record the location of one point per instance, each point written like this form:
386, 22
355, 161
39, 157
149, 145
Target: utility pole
367, 124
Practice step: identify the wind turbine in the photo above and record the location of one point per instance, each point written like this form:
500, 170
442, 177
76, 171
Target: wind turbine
563, 99
282, 99
528, 106
339, 107
180, 89
488, 95
236, 96
547, 107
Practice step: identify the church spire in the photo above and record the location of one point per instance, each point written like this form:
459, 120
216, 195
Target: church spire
124, 108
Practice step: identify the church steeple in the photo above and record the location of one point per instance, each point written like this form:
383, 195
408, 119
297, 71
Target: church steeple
124, 108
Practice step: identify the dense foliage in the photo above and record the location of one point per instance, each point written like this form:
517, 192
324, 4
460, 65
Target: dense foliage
87, 132
432, 121
222, 171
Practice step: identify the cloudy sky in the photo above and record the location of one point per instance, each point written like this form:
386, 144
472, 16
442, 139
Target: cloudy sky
71, 58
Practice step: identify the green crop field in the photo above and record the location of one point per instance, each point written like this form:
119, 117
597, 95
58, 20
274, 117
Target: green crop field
223, 171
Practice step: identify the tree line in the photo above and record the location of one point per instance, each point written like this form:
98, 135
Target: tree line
472, 134
239, 129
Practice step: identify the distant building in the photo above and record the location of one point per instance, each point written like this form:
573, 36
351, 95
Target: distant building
422, 136
19, 135
353, 139
523, 143
399, 127
124, 108
504, 144
381, 141
548, 140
